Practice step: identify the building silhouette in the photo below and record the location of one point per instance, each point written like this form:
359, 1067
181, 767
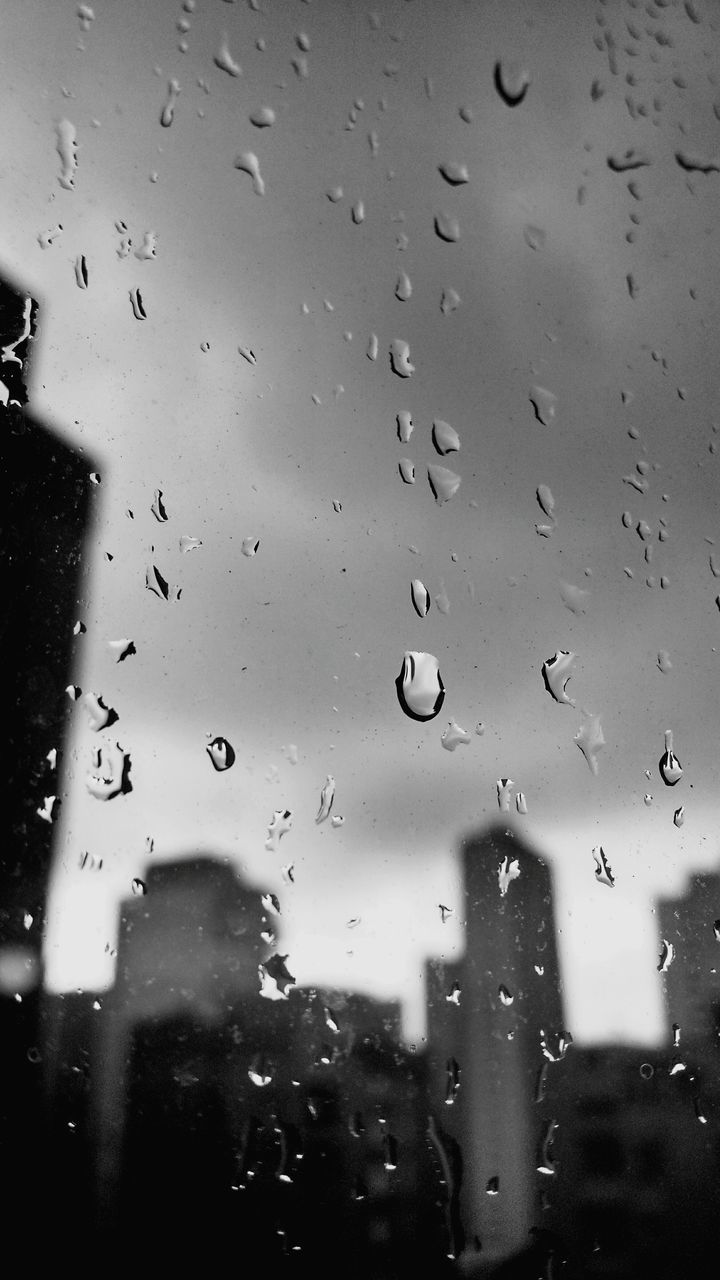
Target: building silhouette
495, 1030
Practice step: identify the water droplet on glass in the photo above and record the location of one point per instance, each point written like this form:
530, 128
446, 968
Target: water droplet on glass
279, 825
337, 820
511, 81
275, 978
86, 16
603, 870
447, 227
493, 1184
442, 602
248, 162
372, 348
122, 649
454, 736
224, 60
504, 788
420, 597
189, 544
449, 301
407, 470
147, 251
66, 147
221, 754
521, 802
679, 816
574, 598
670, 767
99, 716
454, 173
335, 194
327, 795
419, 685
400, 358
544, 403
45, 811
138, 887
137, 305
667, 955
556, 674
158, 507
403, 288
534, 237
109, 773
444, 437
81, 271
630, 159
546, 500
505, 996
590, 739
262, 118
404, 425
358, 212
168, 112
46, 238
443, 482
250, 546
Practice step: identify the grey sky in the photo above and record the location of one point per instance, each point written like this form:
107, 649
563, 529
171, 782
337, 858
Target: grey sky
321, 616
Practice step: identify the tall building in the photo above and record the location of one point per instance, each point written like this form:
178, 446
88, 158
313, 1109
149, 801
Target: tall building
495, 1027
691, 926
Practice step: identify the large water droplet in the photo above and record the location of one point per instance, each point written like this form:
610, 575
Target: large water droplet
556, 674
603, 870
66, 147
158, 507
420, 597
279, 825
420, 689
276, 979
224, 60
443, 482
508, 870
147, 251
544, 403
574, 598
222, 755
454, 736
504, 788
168, 112
630, 159
327, 795
454, 173
407, 470
358, 212
403, 288
444, 437
511, 81
590, 739
109, 773
670, 767
447, 227
122, 649
546, 501
250, 546
262, 117
99, 716
248, 162
400, 358
679, 816
138, 887
404, 425
81, 271
372, 347
137, 304
667, 955
521, 802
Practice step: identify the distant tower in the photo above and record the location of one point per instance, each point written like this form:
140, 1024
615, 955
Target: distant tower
691, 925
490, 1013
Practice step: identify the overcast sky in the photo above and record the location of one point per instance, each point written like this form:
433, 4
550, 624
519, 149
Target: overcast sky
300, 645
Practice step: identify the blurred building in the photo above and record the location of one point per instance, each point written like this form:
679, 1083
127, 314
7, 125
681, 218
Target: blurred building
691, 925
636, 1192
495, 1030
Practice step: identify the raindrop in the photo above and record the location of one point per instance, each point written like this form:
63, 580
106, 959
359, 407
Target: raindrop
358, 212
99, 716
447, 227
454, 736
546, 500
632, 285
189, 544
372, 349
443, 482
248, 354
155, 582
454, 173
647, 799
327, 795
679, 816
574, 598
279, 825
400, 358
544, 403
508, 870
122, 649
86, 16
79, 628
556, 674
109, 774
66, 147
337, 820
420, 597
275, 978
335, 194
663, 661
419, 685
146, 252
505, 996
603, 870
504, 788
631, 159
696, 164
670, 767
521, 802
224, 60
221, 754
449, 301
137, 305
590, 739
248, 162
158, 507
139, 888
442, 602
444, 437
493, 1184
46, 238
250, 546
45, 811
81, 271
453, 1080
511, 81
534, 237
404, 425
407, 470
51, 757
403, 288
262, 118
667, 955
168, 112
374, 142
337, 506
